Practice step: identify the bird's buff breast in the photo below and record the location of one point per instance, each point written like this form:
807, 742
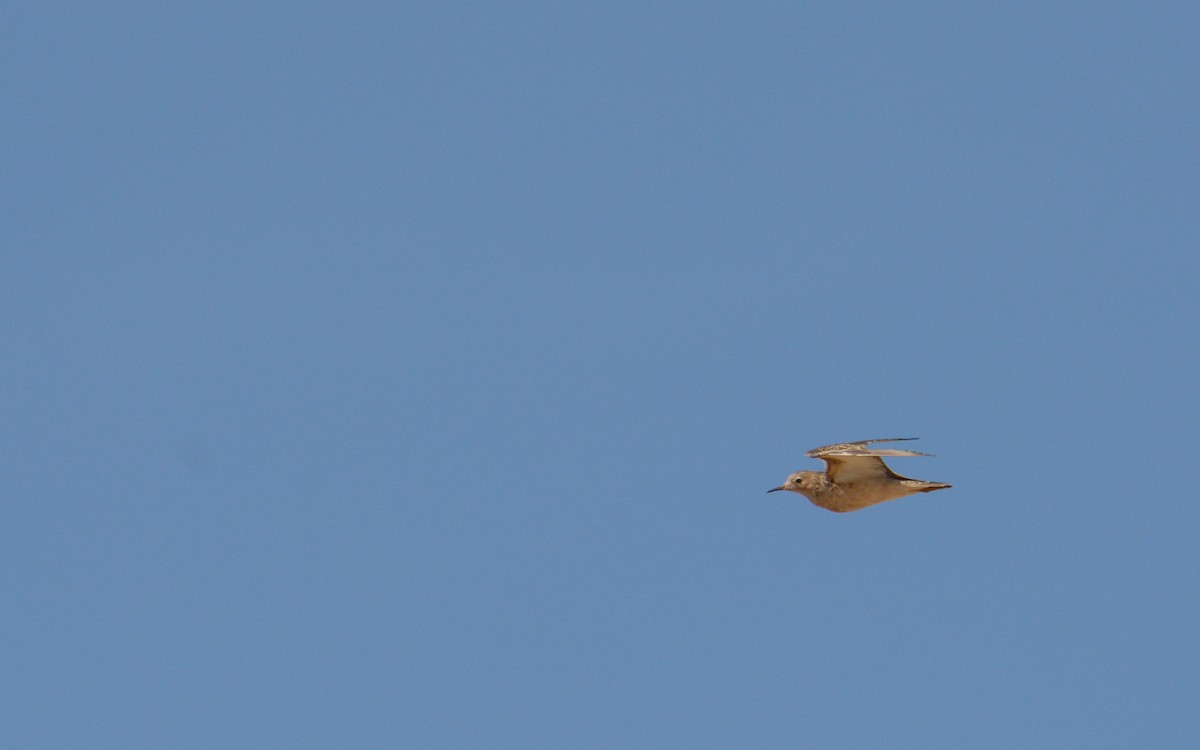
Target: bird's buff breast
843, 499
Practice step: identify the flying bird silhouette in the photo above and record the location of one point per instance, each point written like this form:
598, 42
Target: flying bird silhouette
856, 477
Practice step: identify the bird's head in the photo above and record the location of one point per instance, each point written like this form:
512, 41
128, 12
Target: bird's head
801, 482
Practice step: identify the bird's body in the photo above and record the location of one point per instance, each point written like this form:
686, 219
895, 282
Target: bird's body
856, 477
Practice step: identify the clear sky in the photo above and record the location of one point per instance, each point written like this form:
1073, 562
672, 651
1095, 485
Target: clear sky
412, 375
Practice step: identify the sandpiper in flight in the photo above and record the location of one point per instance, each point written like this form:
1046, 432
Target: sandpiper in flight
856, 477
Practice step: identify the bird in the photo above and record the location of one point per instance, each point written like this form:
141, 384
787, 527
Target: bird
856, 477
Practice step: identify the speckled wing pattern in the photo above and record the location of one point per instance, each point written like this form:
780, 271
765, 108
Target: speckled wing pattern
847, 463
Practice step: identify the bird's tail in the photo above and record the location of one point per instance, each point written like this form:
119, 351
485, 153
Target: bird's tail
931, 486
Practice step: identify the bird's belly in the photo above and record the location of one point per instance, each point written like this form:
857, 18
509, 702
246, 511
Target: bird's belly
846, 498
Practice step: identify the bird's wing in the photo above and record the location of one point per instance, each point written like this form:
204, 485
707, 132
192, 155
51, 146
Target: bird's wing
860, 448
852, 462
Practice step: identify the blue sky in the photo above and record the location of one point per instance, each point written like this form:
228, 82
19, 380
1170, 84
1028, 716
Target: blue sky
412, 375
